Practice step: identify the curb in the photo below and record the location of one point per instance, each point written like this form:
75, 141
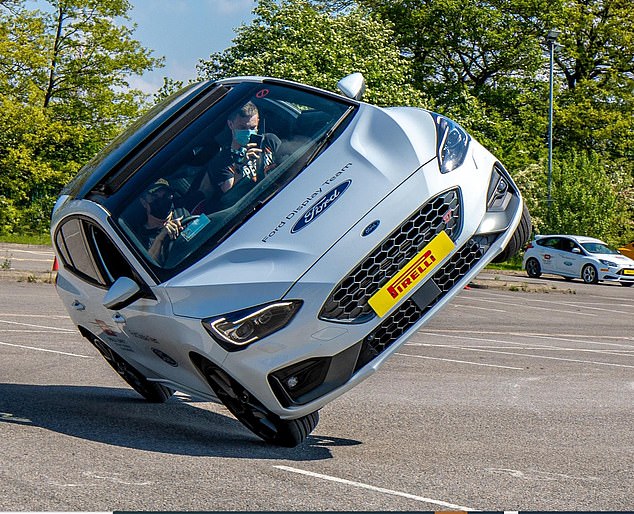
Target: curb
31, 277
519, 286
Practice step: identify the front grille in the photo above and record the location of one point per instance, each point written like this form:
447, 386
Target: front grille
348, 302
408, 314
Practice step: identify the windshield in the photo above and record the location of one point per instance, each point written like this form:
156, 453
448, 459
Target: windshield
599, 248
219, 169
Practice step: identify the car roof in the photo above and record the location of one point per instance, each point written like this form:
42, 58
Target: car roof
579, 239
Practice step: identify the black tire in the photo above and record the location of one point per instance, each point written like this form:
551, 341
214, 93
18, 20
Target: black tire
519, 239
589, 274
626, 284
255, 416
151, 391
533, 269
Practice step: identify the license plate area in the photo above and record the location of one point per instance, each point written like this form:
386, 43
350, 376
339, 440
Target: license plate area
413, 274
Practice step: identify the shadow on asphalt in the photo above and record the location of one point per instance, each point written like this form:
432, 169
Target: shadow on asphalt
119, 417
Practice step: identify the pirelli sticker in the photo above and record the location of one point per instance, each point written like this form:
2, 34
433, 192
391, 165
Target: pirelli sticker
411, 274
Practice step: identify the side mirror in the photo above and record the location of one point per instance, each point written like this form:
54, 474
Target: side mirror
576, 250
352, 86
122, 293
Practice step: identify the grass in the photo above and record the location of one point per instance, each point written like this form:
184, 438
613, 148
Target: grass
515, 263
31, 239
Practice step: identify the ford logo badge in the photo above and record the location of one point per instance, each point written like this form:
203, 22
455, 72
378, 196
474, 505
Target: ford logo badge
320, 206
370, 228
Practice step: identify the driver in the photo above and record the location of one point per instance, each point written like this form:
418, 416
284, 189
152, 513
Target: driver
162, 220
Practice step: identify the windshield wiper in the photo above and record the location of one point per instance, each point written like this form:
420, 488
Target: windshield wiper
327, 137
244, 218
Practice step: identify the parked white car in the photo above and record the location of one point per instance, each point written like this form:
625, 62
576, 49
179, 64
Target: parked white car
273, 257
577, 257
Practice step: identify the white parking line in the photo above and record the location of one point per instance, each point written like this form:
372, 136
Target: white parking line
555, 358
37, 326
462, 306
374, 488
569, 338
559, 311
50, 316
30, 260
562, 337
453, 360
622, 302
472, 349
33, 252
583, 305
45, 350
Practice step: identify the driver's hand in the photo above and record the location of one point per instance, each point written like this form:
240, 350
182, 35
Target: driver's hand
173, 226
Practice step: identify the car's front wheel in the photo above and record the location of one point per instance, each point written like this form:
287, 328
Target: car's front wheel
589, 274
533, 269
151, 391
519, 238
255, 416
627, 284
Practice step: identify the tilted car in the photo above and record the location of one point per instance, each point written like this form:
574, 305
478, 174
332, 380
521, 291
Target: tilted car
572, 257
282, 292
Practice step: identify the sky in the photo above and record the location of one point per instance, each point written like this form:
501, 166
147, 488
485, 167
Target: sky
183, 32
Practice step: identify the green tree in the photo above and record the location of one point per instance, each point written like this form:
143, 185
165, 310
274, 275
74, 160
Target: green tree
486, 64
38, 155
64, 93
587, 199
596, 65
76, 59
299, 41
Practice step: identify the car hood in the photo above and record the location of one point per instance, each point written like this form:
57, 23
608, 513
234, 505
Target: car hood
261, 261
622, 260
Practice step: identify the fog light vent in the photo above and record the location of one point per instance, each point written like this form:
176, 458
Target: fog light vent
299, 379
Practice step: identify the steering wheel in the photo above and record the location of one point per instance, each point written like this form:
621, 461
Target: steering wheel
188, 219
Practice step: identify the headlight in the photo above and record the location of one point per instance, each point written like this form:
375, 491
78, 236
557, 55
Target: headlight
239, 329
608, 263
453, 143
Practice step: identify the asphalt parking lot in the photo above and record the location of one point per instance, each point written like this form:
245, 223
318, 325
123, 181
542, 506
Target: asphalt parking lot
518, 396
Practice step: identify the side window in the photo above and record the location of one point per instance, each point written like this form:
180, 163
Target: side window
88, 252
565, 245
74, 251
550, 242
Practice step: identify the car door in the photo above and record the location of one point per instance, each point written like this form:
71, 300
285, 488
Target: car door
107, 297
547, 252
91, 265
569, 258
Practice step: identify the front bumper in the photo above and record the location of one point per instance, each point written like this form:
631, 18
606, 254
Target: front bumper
329, 348
621, 275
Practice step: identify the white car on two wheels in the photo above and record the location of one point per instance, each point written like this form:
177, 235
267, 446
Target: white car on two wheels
281, 294
583, 257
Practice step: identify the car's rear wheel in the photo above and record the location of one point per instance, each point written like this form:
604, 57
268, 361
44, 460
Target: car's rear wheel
533, 269
589, 274
255, 416
519, 239
151, 391
627, 284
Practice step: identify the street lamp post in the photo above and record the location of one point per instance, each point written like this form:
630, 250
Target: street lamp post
551, 39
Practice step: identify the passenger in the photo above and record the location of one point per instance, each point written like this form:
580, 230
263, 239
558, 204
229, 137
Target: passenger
249, 156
